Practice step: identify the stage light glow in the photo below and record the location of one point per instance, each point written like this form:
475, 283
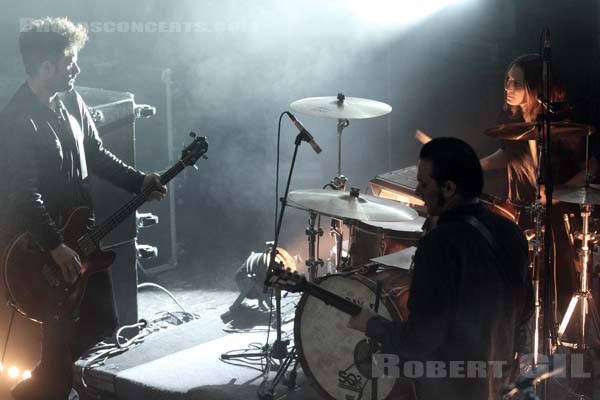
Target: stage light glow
283, 257
398, 12
1, 368
26, 375
13, 372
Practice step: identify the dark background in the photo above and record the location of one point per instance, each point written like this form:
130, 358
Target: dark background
251, 59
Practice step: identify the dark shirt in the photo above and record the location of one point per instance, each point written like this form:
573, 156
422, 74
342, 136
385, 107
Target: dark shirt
567, 157
466, 304
46, 156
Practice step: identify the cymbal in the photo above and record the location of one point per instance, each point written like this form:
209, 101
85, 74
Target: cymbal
586, 194
340, 107
352, 205
527, 130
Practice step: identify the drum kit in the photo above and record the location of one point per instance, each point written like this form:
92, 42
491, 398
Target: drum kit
383, 235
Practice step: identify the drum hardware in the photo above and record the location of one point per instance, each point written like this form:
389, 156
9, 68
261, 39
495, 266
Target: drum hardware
336, 227
581, 308
313, 262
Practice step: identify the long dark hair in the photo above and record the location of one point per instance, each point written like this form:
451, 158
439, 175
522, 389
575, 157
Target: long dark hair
531, 65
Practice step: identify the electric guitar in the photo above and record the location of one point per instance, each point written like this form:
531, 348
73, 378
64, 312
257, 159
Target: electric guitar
34, 282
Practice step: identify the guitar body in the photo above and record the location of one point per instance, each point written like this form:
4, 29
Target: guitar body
34, 282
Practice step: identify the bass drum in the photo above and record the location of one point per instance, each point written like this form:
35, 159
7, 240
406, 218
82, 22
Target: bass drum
326, 346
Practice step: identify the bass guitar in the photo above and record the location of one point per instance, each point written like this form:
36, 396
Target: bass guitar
34, 282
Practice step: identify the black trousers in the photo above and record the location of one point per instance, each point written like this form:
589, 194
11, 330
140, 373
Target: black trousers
64, 341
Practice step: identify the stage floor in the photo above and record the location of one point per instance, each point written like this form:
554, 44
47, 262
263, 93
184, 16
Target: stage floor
183, 361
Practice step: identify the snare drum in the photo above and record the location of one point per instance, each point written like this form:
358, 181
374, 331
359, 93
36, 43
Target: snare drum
375, 239
326, 346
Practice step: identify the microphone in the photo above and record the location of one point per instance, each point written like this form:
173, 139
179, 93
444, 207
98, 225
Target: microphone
307, 136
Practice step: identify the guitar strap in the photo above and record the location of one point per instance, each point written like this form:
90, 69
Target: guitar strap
489, 238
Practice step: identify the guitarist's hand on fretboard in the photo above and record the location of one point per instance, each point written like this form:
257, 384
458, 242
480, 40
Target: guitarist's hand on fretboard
153, 180
359, 321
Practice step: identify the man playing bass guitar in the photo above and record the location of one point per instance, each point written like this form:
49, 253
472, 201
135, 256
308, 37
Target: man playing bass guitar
50, 145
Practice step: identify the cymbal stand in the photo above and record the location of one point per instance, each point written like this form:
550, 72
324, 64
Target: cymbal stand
582, 301
339, 182
336, 228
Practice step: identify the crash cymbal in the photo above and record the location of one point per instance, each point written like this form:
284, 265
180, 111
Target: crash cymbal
586, 194
340, 107
527, 131
351, 205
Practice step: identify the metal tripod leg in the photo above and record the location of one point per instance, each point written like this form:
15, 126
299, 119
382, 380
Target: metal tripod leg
269, 393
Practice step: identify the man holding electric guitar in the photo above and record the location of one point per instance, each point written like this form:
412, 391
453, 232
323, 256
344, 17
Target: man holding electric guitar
50, 145
471, 292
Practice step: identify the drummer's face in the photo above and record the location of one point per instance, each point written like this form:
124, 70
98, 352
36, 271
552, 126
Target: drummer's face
429, 189
514, 86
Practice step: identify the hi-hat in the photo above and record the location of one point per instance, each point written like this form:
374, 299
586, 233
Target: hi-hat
586, 194
340, 107
355, 206
528, 131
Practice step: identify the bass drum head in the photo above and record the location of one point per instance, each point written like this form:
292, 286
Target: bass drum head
326, 345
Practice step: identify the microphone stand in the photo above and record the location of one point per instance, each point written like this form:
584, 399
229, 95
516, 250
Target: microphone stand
545, 122
279, 349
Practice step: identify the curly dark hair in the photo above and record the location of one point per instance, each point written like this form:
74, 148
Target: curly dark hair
47, 39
